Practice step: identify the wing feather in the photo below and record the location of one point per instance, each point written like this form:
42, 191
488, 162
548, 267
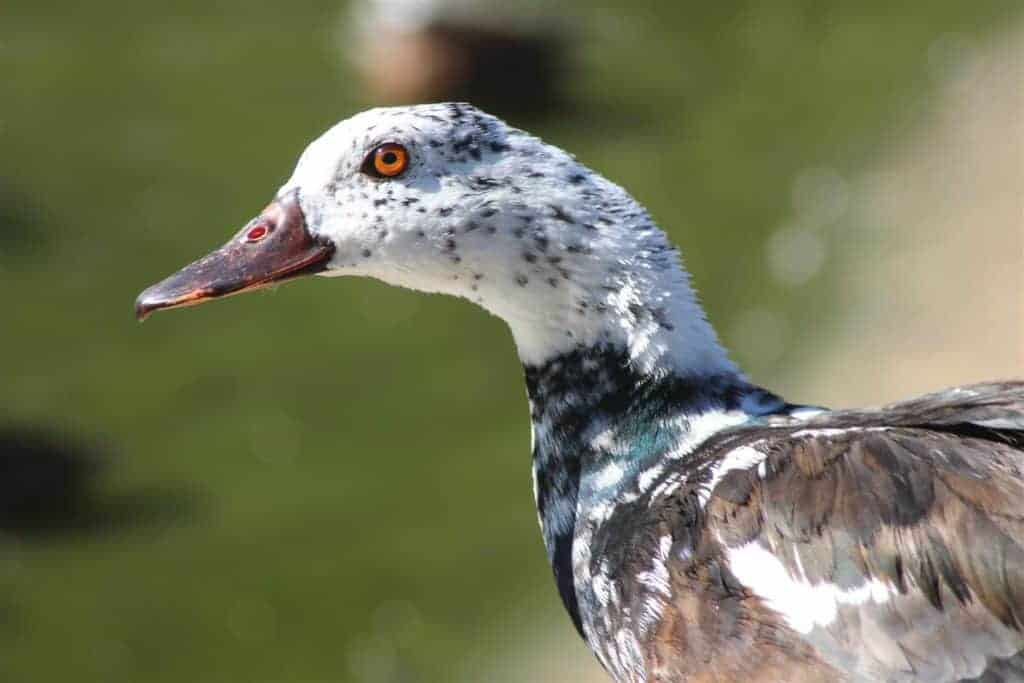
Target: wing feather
899, 533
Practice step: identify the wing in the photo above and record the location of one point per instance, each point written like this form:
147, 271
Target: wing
892, 541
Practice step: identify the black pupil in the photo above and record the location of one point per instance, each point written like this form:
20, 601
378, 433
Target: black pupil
389, 158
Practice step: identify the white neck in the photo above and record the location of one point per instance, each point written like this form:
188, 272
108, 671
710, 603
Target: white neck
650, 312
616, 281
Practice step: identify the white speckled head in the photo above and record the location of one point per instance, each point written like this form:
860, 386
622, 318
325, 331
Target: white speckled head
487, 212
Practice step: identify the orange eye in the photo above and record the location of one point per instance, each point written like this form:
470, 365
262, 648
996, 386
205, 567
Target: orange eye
388, 160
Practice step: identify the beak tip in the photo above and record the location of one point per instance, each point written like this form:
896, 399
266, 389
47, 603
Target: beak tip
144, 305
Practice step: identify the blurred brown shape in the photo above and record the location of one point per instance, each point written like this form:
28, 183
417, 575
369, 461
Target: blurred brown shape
502, 66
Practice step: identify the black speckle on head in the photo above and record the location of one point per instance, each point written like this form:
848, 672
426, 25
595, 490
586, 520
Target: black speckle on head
435, 143
475, 153
408, 201
519, 233
541, 240
463, 142
553, 281
445, 211
471, 226
420, 233
478, 276
456, 258
382, 234
499, 147
491, 229
553, 260
449, 244
380, 202
559, 213
521, 279
534, 174
367, 253
483, 182
577, 178
488, 212
529, 257
456, 111
661, 316
421, 209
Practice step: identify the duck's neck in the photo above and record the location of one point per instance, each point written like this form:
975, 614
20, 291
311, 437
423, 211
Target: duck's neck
603, 429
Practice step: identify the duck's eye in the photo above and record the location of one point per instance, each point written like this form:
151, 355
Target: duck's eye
387, 160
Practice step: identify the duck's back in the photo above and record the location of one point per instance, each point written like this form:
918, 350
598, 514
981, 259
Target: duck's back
881, 545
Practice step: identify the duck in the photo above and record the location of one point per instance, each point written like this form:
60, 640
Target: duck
699, 527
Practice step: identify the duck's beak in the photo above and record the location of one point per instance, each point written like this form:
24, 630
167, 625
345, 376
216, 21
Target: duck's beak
274, 247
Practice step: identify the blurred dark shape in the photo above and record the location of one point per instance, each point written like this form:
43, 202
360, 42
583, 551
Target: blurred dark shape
21, 222
50, 485
506, 67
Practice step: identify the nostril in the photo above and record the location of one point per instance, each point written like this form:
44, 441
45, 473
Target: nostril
256, 233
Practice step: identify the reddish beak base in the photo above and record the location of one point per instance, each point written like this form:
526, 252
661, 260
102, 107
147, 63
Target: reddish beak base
274, 247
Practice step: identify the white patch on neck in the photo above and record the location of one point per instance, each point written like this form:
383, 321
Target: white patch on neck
609, 475
705, 425
804, 605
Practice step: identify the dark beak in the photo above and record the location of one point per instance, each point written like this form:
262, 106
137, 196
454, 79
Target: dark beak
274, 247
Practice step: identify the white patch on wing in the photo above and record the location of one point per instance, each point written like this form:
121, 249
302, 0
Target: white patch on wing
804, 605
741, 458
630, 659
832, 431
667, 487
656, 580
1001, 423
806, 412
649, 476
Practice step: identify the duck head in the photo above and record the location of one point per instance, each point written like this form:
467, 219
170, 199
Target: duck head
445, 198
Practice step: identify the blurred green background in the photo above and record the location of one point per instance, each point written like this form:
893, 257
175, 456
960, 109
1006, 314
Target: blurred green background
330, 482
